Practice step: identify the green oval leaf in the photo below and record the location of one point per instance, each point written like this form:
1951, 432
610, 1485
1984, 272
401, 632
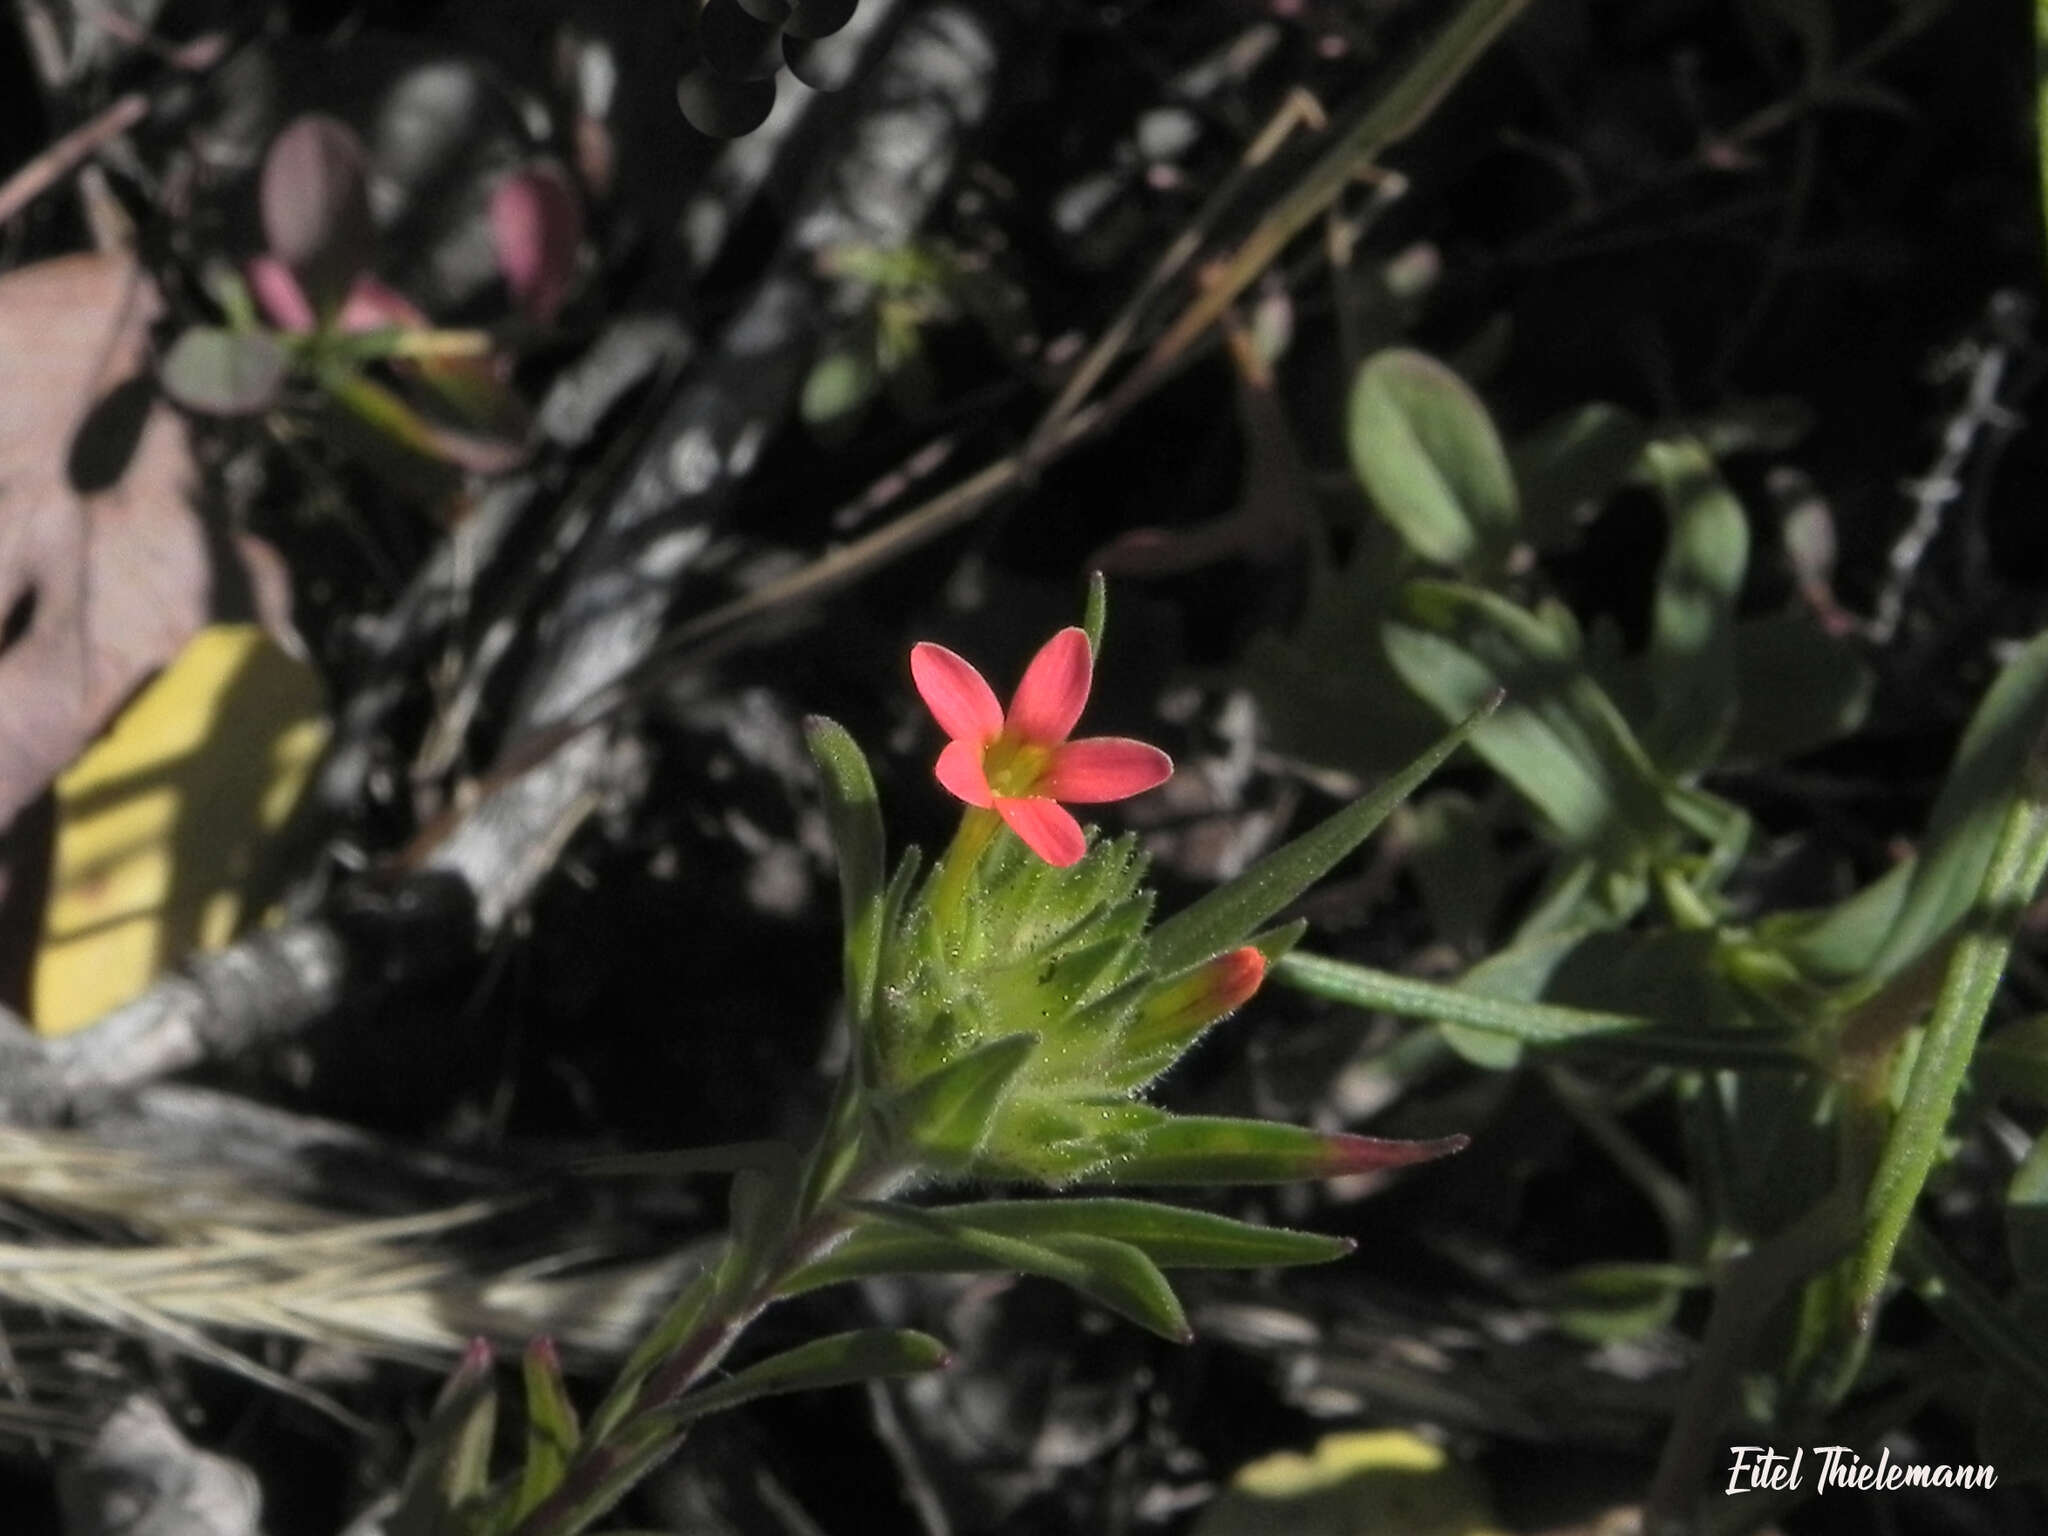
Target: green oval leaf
1428, 455
1692, 616
224, 373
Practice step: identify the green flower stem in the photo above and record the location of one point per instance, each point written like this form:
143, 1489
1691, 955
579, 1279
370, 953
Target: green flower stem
977, 830
1975, 967
637, 1441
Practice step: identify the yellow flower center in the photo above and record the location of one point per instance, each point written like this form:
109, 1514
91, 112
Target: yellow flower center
1014, 767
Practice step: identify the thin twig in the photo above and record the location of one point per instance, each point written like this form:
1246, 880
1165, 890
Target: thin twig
54, 163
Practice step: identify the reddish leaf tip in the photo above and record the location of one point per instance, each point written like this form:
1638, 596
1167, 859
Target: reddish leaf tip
1346, 1154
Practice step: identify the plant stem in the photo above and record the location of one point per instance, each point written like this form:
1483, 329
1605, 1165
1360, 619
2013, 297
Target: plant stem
949, 881
637, 1437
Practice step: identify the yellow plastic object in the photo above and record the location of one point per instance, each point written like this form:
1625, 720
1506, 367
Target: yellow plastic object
1361, 1483
163, 826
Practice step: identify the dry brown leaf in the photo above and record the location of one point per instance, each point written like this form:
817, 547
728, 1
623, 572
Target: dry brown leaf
105, 567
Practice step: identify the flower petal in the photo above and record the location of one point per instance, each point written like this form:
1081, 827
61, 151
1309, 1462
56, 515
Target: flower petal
1104, 768
959, 770
957, 695
1048, 828
1054, 690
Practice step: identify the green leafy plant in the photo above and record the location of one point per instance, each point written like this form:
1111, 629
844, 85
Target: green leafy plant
311, 308
1007, 1009
1816, 1061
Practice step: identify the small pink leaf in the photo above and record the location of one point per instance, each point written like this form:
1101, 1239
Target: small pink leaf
537, 222
279, 294
316, 206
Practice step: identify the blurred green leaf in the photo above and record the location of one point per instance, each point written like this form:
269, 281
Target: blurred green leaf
949, 1114
1568, 467
1558, 739
2014, 1063
1359, 1483
1225, 917
551, 1428
1428, 455
1457, 868
854, 814
224, 373
840, 385
1692, 618
399, 424
2026, 1215
1975, 967
1112, 1274
451, 1468
837, 1360
1615, 1303
1797, 688
1884, 928
1169, 1236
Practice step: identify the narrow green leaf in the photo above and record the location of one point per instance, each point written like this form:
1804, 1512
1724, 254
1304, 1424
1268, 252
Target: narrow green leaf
837, 1360
947, 1116
853, 811
397, 422
1692, 617
1974, 804
551, 1427
1889, 924
452, 1465
674, 1326
1200, 1149
1428, 455
1360, 986
224, 373
1975, 968
1224, 917
1096, 612
1112, 1274
1171, 1237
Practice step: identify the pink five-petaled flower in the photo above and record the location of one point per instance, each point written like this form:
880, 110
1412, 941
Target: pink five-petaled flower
1021, 765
